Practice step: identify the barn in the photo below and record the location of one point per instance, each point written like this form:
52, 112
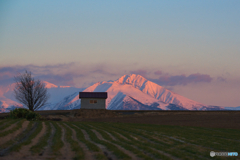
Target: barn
93, 100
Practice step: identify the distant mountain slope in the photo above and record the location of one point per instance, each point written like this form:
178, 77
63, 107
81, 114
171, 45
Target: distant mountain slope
57, 94
159, 92
68, 103
134, 92
232, 108
7, 101
129, 92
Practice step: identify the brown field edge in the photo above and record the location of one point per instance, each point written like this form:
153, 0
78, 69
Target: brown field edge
212, 119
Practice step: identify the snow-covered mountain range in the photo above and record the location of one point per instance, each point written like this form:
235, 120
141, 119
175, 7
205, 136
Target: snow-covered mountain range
129, 92
57, 93
233, 108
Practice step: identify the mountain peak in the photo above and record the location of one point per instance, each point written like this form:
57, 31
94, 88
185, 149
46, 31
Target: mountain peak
131, 79
49, 85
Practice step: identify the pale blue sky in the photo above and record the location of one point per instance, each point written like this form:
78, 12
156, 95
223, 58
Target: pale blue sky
176, 37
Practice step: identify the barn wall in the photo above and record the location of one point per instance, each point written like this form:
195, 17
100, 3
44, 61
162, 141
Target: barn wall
85, 103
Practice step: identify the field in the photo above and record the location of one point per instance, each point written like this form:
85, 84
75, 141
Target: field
100, 139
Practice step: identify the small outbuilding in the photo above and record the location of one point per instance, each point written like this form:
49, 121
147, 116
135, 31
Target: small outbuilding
93, 100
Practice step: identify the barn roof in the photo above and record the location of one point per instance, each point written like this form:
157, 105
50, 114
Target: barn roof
93, 95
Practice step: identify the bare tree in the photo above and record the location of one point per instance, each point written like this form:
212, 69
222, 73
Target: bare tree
30, 92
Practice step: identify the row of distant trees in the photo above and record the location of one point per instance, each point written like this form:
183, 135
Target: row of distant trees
31, 92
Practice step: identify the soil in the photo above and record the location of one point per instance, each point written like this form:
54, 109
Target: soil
133, 156
218, 119
210, 119
47, 152
10, 127
121, 136
88, 155
5, 122
14, 134
113, 138
66, 151
25, 153
106, 152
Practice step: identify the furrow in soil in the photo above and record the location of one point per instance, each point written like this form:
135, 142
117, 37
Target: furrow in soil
133, 156
14, 134
66, 151
88, 155
47, 152
4, 123
5, 152
10, 127
24, 153
112, 137
121, 136
106, 152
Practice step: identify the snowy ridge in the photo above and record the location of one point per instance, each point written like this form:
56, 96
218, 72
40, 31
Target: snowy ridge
233, 108
7, 101
57, 94
118, 91
49, 85
159, 92
134, 92
129, 92
68, 103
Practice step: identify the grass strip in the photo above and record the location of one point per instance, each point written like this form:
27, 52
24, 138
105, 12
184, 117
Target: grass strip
91, 146
192, 150
18, 126
18, 138
123, 143
9, 124
79, 154
197, 138
32, 135
175, 150
57, 141
12, 145
120, 154
146, 145
221, 139
43, 140
181, 147
100, 156
137, 143
4, 122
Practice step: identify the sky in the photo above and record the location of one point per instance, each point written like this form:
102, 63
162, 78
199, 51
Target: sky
189, 47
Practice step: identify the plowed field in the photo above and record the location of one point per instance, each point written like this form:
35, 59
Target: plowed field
21, 139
